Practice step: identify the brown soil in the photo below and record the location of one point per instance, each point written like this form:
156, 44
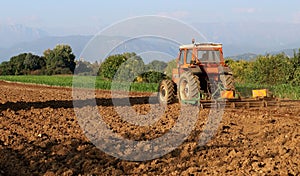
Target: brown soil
40, 135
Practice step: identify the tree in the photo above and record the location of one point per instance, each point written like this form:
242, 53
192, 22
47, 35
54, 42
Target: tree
130, 69
271, 69
111, 64
156, 65
33, 62
95, 68
6, 69
24, 63
242, 70
17, 64
83, 68
170, 66
295, 61
60, 60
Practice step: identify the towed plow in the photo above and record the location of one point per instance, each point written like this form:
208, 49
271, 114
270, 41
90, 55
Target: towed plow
253, 102
242, 103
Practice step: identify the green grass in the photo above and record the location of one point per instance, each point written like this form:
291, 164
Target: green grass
280, 91
65, 81
82, 82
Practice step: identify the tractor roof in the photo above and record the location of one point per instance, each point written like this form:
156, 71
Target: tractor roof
209, 44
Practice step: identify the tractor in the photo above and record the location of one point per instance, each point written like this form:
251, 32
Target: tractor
201, 74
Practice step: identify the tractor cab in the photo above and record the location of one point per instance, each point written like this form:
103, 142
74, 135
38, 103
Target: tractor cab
203, 59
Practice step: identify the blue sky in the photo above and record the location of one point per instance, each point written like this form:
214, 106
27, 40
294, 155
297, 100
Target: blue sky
89, 16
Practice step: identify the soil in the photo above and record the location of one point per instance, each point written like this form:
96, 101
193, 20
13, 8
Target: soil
40, 135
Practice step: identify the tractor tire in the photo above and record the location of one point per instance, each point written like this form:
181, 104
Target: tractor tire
166, 92
227, 81
188, 87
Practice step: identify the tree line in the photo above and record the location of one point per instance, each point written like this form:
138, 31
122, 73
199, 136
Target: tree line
268, 70
59, 60
131, 68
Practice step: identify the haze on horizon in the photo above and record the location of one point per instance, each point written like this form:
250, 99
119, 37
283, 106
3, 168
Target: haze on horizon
88, 17
243, 26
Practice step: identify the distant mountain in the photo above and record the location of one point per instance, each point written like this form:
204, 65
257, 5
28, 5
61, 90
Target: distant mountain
14, 34
288, 52
250, 56
246, 56
237, 38
149, 48
98, 48
251, 37
40, 45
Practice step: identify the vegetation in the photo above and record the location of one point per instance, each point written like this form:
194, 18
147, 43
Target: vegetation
172, 64
268, 70
81, 82
60, 60
129, 67
278, 73
21, 64
111, 65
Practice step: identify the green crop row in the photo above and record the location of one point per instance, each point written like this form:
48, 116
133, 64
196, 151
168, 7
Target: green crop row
280, 91
82, 82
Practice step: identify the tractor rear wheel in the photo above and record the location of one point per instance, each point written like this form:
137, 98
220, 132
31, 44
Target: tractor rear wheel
227, 81
166, 92
188, 87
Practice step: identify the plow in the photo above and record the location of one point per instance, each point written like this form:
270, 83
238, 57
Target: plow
242, 103
254, 102
202, 78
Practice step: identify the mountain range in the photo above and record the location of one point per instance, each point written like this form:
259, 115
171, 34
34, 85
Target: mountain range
240, 41
11, 35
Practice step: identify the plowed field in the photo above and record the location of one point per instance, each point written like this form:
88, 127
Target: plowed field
40, 135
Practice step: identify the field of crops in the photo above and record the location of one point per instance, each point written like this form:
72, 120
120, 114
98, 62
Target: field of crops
82, 81
280, 91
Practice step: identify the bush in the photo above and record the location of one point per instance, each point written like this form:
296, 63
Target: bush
268, 70
110, 66
153, 77
130, 69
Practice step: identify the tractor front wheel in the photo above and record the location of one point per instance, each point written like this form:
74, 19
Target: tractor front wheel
188, 87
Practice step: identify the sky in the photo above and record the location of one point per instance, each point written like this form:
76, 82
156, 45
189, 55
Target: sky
66, 17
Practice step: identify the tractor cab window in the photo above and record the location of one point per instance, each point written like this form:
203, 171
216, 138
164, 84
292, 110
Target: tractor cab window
209, 56
189, 56
181, 57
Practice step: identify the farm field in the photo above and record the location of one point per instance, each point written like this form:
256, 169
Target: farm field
280, 91
80, 81
40, 135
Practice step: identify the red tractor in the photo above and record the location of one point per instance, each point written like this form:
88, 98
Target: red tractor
201, 74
